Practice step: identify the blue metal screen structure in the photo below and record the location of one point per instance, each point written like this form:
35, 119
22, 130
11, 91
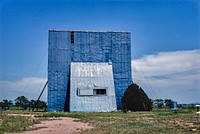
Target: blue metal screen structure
86, 46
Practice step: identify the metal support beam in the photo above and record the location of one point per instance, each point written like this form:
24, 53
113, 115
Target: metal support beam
36, 104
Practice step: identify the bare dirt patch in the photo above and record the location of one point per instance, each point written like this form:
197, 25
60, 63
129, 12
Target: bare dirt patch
25, 115
58, 125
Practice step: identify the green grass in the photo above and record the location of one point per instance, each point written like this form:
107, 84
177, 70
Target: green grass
14, 123
166, 122
155, 122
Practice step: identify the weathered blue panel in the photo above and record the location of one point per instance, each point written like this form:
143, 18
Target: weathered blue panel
84, 78
88, 46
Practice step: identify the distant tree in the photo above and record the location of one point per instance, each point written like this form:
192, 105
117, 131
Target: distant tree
135, 99
10, 102
5, 104
32, 103
22, 102
168, 103
159, 103
1, 105
42, 105
38, 105
151, 102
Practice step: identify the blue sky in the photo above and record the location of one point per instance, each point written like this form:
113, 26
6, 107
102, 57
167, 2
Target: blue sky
156, 26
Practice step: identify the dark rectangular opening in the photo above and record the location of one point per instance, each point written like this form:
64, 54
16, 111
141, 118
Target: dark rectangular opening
99, 91
67, 99
72, 37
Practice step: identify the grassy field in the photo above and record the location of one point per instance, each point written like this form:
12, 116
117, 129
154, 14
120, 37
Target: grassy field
155, 122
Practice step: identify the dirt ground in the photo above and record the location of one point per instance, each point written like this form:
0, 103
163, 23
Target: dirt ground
62, 125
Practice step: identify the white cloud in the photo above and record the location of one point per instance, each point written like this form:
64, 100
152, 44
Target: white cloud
29, 87
173, 75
